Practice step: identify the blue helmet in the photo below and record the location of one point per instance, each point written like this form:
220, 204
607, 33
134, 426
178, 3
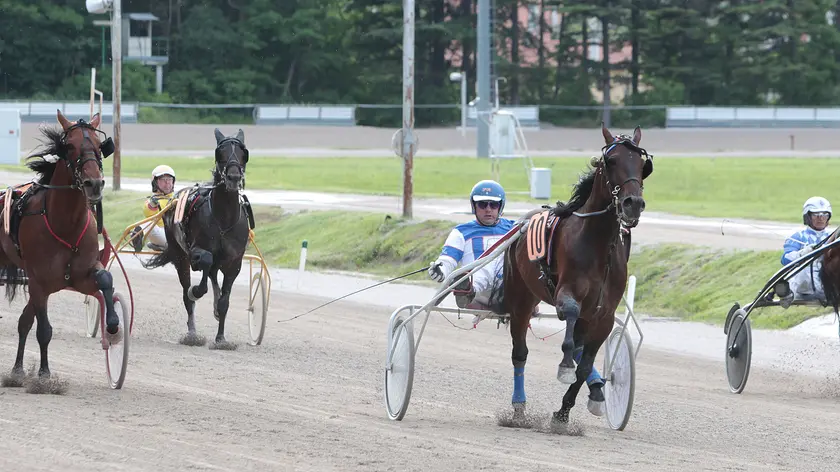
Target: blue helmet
488, 190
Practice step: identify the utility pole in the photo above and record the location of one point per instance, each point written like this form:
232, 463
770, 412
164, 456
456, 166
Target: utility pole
483, 78
409, 143
116, 61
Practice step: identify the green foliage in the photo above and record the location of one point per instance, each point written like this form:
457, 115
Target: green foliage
708, 52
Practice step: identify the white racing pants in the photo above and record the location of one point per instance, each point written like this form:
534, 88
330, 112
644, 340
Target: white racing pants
802, 284
156, 235
488, 279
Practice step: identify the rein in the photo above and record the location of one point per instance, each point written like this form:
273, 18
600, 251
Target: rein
353, 293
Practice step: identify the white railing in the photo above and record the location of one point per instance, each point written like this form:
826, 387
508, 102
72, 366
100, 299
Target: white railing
46, 111
752, 117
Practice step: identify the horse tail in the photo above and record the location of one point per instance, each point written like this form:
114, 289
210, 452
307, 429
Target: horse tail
160, 259
13, 278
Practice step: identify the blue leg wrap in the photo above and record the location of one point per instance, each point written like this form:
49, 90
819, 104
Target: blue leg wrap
518, 385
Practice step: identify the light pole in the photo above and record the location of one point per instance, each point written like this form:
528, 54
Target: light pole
98, 7
462, 77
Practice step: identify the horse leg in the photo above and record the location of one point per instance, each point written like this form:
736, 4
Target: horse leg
189, 304
519, 356
214, 284
569, 309
44, 335
200, 260
27, 318
596, 404
583, 371
105, 283
224, 300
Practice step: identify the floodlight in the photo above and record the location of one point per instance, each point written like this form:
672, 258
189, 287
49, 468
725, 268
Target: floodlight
98, 6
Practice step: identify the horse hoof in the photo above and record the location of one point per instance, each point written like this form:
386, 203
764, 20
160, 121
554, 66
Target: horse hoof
566, 375
560, 417
113, 338
518, 410
597, 408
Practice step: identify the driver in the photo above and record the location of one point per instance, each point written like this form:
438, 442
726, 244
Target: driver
806, 284
163, 184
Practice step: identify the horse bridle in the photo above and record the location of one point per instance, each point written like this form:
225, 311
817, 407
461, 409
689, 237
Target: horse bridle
106, 148
604, 159
231, 161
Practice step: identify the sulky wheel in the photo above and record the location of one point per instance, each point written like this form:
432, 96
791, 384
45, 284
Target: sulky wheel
620, 385
94, 311
257, 309
399, 374
738, 352
116, 355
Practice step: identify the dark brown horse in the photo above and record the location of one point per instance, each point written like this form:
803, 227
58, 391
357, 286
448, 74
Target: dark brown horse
587, 270
53, 235
830, 273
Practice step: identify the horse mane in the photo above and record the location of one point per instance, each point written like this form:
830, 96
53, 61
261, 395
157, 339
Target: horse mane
580, 194
53, 145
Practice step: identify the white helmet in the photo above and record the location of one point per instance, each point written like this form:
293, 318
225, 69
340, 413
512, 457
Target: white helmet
157, 172
815, 205
162, 170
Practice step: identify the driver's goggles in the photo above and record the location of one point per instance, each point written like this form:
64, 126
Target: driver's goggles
484, 204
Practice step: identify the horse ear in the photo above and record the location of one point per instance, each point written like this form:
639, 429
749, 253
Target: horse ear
95, 121
637, 135
64, 122
608, 137
241, 136
219, 136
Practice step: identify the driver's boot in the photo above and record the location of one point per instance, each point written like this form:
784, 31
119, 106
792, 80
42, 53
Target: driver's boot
464, 293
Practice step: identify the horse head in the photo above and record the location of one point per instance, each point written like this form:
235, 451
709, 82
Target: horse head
84, 154
625, 165
231, 159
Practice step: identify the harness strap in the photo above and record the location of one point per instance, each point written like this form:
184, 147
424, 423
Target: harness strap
75, 247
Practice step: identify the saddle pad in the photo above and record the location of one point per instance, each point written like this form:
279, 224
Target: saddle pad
7, 206
536, 236
7, 202
181, 205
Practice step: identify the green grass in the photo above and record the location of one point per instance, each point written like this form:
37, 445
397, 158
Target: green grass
757, 188
688, 282
700, 284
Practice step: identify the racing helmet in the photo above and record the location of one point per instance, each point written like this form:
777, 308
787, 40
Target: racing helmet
159, 171
815, 205
488, 190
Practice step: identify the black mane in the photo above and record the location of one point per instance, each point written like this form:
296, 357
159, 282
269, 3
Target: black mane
580, 194
55, 145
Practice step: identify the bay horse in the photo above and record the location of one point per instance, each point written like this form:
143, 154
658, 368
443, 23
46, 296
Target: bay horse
212, 236
51, 235
830, 273
586, 272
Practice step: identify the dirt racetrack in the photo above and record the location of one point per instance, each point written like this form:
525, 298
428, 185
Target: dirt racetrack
310, 399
